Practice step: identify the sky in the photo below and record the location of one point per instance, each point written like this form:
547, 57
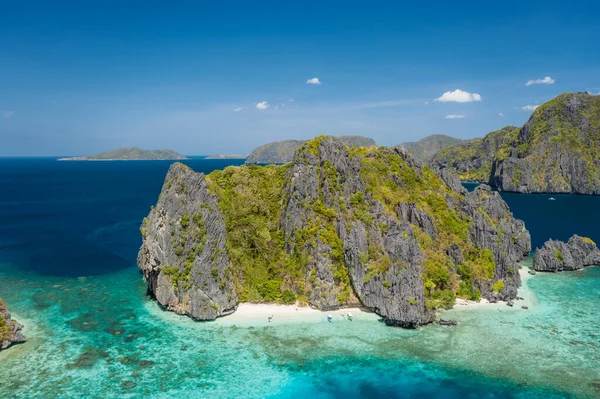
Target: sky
200, 77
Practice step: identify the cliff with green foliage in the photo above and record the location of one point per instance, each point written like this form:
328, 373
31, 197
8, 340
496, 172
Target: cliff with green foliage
473, 160
338, 226
556, 151
130, 154
281, 152
427, 147
10, 330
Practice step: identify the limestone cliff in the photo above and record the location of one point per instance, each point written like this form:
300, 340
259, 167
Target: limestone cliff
338, 226
558, 256
10, 330
556, 151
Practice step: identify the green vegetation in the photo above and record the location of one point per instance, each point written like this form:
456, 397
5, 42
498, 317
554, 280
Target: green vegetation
5, 332
559, 256
498, 286
267, 266
588, 240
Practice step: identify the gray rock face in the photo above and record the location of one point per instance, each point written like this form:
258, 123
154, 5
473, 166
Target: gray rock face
183, 255
554, 152
349, 243
497, 231
558, 256
10, 330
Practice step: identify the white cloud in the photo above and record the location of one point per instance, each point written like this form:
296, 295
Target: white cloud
291, 100
529, 107
500, 114
426, 102
458, 96
546, 81
7, 114
238, 109
313, 81
262, 105
455, 116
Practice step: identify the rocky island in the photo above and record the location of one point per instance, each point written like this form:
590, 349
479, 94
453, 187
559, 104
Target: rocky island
130, 154
558, 256
556, 151
338, 226
10, 330
427, 147
280, 152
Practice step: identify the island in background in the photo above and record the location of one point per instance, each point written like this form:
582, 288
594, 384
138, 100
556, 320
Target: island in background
226, 156
280, 152
427, 147
130, 154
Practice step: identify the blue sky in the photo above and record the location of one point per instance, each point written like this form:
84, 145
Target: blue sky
83, 77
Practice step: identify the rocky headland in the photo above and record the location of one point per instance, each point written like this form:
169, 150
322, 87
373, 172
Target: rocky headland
336, 227
10, 330
281, 152
558, 256
556, 151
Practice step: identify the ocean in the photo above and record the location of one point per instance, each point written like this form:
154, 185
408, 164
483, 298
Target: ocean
69, 235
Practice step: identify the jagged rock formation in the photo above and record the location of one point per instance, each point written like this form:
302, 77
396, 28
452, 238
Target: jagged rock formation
281, 152
427, 147
10, 330
556, 151
130, 154
183, 256
558, 256
338, 226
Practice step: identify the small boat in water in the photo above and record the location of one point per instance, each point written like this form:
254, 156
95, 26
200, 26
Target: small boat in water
350, 316
551, 199
329, 318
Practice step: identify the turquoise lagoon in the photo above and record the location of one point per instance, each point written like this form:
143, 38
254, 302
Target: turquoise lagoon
67, 270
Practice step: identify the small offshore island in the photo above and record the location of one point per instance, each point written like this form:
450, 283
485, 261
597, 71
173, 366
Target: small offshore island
130, 154
336, 227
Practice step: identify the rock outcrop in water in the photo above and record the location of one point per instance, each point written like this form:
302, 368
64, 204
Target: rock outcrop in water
556, 151
338, 226
558, 256
10, 330
280, 152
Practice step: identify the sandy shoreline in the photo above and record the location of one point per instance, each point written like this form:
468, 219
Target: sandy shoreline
523, 292
258, 314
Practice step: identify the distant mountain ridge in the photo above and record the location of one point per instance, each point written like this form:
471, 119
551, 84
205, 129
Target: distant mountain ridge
130, 154
556, 151
427, 147
279, 152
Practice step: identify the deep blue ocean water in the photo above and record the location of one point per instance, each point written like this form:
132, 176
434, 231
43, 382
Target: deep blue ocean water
69, 235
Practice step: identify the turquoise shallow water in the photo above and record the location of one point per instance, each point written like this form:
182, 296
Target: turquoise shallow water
67, 269
88, 336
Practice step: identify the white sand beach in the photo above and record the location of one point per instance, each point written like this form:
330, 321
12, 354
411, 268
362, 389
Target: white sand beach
258, 314
524, 292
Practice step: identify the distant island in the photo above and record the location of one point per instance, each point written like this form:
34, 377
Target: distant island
556, 151
226, 156
130, 154
427, 147
280, 152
